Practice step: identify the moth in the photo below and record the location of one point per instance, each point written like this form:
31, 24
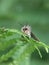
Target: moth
27, 30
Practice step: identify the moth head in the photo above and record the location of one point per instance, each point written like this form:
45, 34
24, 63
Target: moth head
26, 29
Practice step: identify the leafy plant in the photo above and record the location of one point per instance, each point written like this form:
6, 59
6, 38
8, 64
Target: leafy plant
15, 50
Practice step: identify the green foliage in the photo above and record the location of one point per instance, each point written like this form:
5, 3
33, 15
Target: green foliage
15, 50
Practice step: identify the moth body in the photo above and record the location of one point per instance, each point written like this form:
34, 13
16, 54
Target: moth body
27, 30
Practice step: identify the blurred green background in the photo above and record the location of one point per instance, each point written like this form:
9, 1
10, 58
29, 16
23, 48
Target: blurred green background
16, 13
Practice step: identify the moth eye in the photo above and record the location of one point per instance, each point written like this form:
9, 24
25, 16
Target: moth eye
26, 29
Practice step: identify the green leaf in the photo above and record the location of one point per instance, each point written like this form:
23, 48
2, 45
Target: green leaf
38, 51
20, 50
